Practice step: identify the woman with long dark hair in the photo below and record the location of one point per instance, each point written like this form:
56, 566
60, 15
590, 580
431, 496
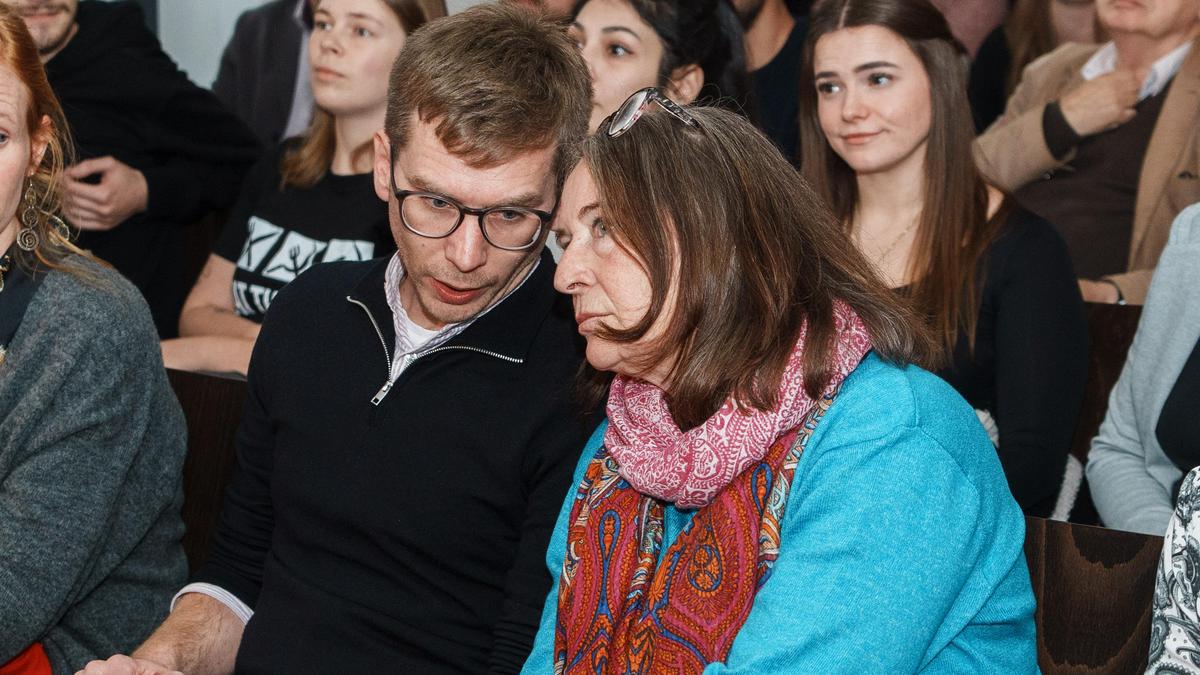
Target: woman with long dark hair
693, 49
777, 488
312, 199
886, 138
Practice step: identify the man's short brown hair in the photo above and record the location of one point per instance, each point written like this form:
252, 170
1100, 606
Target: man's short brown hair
499, 81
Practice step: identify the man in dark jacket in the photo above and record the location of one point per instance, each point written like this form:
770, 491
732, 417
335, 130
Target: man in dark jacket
264, 70
157, 151
409, 435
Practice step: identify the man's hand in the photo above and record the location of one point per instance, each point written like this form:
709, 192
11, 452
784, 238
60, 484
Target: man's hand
120, 193
1103, 103
1098, 291
124, 665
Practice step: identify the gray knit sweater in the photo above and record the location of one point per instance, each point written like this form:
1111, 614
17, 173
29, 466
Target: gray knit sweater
92, 442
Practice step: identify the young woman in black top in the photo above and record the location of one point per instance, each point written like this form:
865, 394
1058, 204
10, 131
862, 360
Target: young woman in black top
886, 137
311, 200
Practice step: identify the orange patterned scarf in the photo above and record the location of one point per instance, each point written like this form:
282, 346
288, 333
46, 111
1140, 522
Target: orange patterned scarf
621, 611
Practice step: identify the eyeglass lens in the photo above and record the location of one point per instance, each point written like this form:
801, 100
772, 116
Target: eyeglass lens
431, 216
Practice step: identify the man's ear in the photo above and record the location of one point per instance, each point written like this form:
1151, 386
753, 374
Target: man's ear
40, 141
383, 166
685, 83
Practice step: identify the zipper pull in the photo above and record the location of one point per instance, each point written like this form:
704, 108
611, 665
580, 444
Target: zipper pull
383, 391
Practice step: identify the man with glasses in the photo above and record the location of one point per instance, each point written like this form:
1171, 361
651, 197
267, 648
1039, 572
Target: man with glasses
409, 432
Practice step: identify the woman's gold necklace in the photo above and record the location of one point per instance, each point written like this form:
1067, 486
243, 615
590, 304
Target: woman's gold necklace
882, 257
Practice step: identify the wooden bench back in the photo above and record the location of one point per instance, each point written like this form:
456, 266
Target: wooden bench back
213, 408
1094, 587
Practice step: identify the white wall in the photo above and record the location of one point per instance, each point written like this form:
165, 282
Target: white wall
195, 31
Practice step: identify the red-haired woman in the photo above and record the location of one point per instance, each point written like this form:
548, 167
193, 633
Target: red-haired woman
91, 438
886, 139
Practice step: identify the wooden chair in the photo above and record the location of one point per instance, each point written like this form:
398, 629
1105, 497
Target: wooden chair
1110, 333
1094, 588
213, 408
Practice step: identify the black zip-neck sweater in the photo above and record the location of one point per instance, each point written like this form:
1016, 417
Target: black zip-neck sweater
407, 535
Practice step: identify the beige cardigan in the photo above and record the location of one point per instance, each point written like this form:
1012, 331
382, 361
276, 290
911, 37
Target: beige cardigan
1013, 152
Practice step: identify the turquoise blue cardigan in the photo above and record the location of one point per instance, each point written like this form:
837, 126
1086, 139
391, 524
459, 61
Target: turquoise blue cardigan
901, 545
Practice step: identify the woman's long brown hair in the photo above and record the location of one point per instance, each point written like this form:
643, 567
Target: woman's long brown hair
953, 231
723, 224
304, 165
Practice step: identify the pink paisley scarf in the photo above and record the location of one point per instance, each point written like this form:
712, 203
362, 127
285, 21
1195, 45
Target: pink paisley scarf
690, 469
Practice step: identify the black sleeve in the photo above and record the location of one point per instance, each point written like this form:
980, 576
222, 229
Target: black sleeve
247, 520
200, 150
261, 179
1041, 360
547, 478
1060, 136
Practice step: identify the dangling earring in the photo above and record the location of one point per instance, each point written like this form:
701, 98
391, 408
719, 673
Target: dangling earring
28, 238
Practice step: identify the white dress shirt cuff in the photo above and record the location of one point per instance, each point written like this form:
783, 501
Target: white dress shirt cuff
241, 609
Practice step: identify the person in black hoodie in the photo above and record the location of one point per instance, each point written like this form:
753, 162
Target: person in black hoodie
157, 151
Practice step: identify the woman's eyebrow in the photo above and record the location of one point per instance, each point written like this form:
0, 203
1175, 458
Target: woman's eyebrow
875, 64
621, 29
585, 209
872, 65
364, 17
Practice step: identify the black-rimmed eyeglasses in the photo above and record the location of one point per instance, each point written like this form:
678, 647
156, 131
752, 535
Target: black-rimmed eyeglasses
428, 214
635, 106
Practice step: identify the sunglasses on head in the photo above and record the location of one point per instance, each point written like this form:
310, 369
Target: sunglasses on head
635, 106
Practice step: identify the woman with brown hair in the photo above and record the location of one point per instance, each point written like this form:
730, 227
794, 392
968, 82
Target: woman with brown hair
776, 488
91, 438
886, 140
310, 201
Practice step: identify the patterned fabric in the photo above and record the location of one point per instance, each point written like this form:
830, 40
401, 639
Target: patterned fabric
619, 611
690, 468
1175, 622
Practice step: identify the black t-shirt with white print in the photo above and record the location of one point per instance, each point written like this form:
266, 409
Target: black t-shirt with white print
274, 234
